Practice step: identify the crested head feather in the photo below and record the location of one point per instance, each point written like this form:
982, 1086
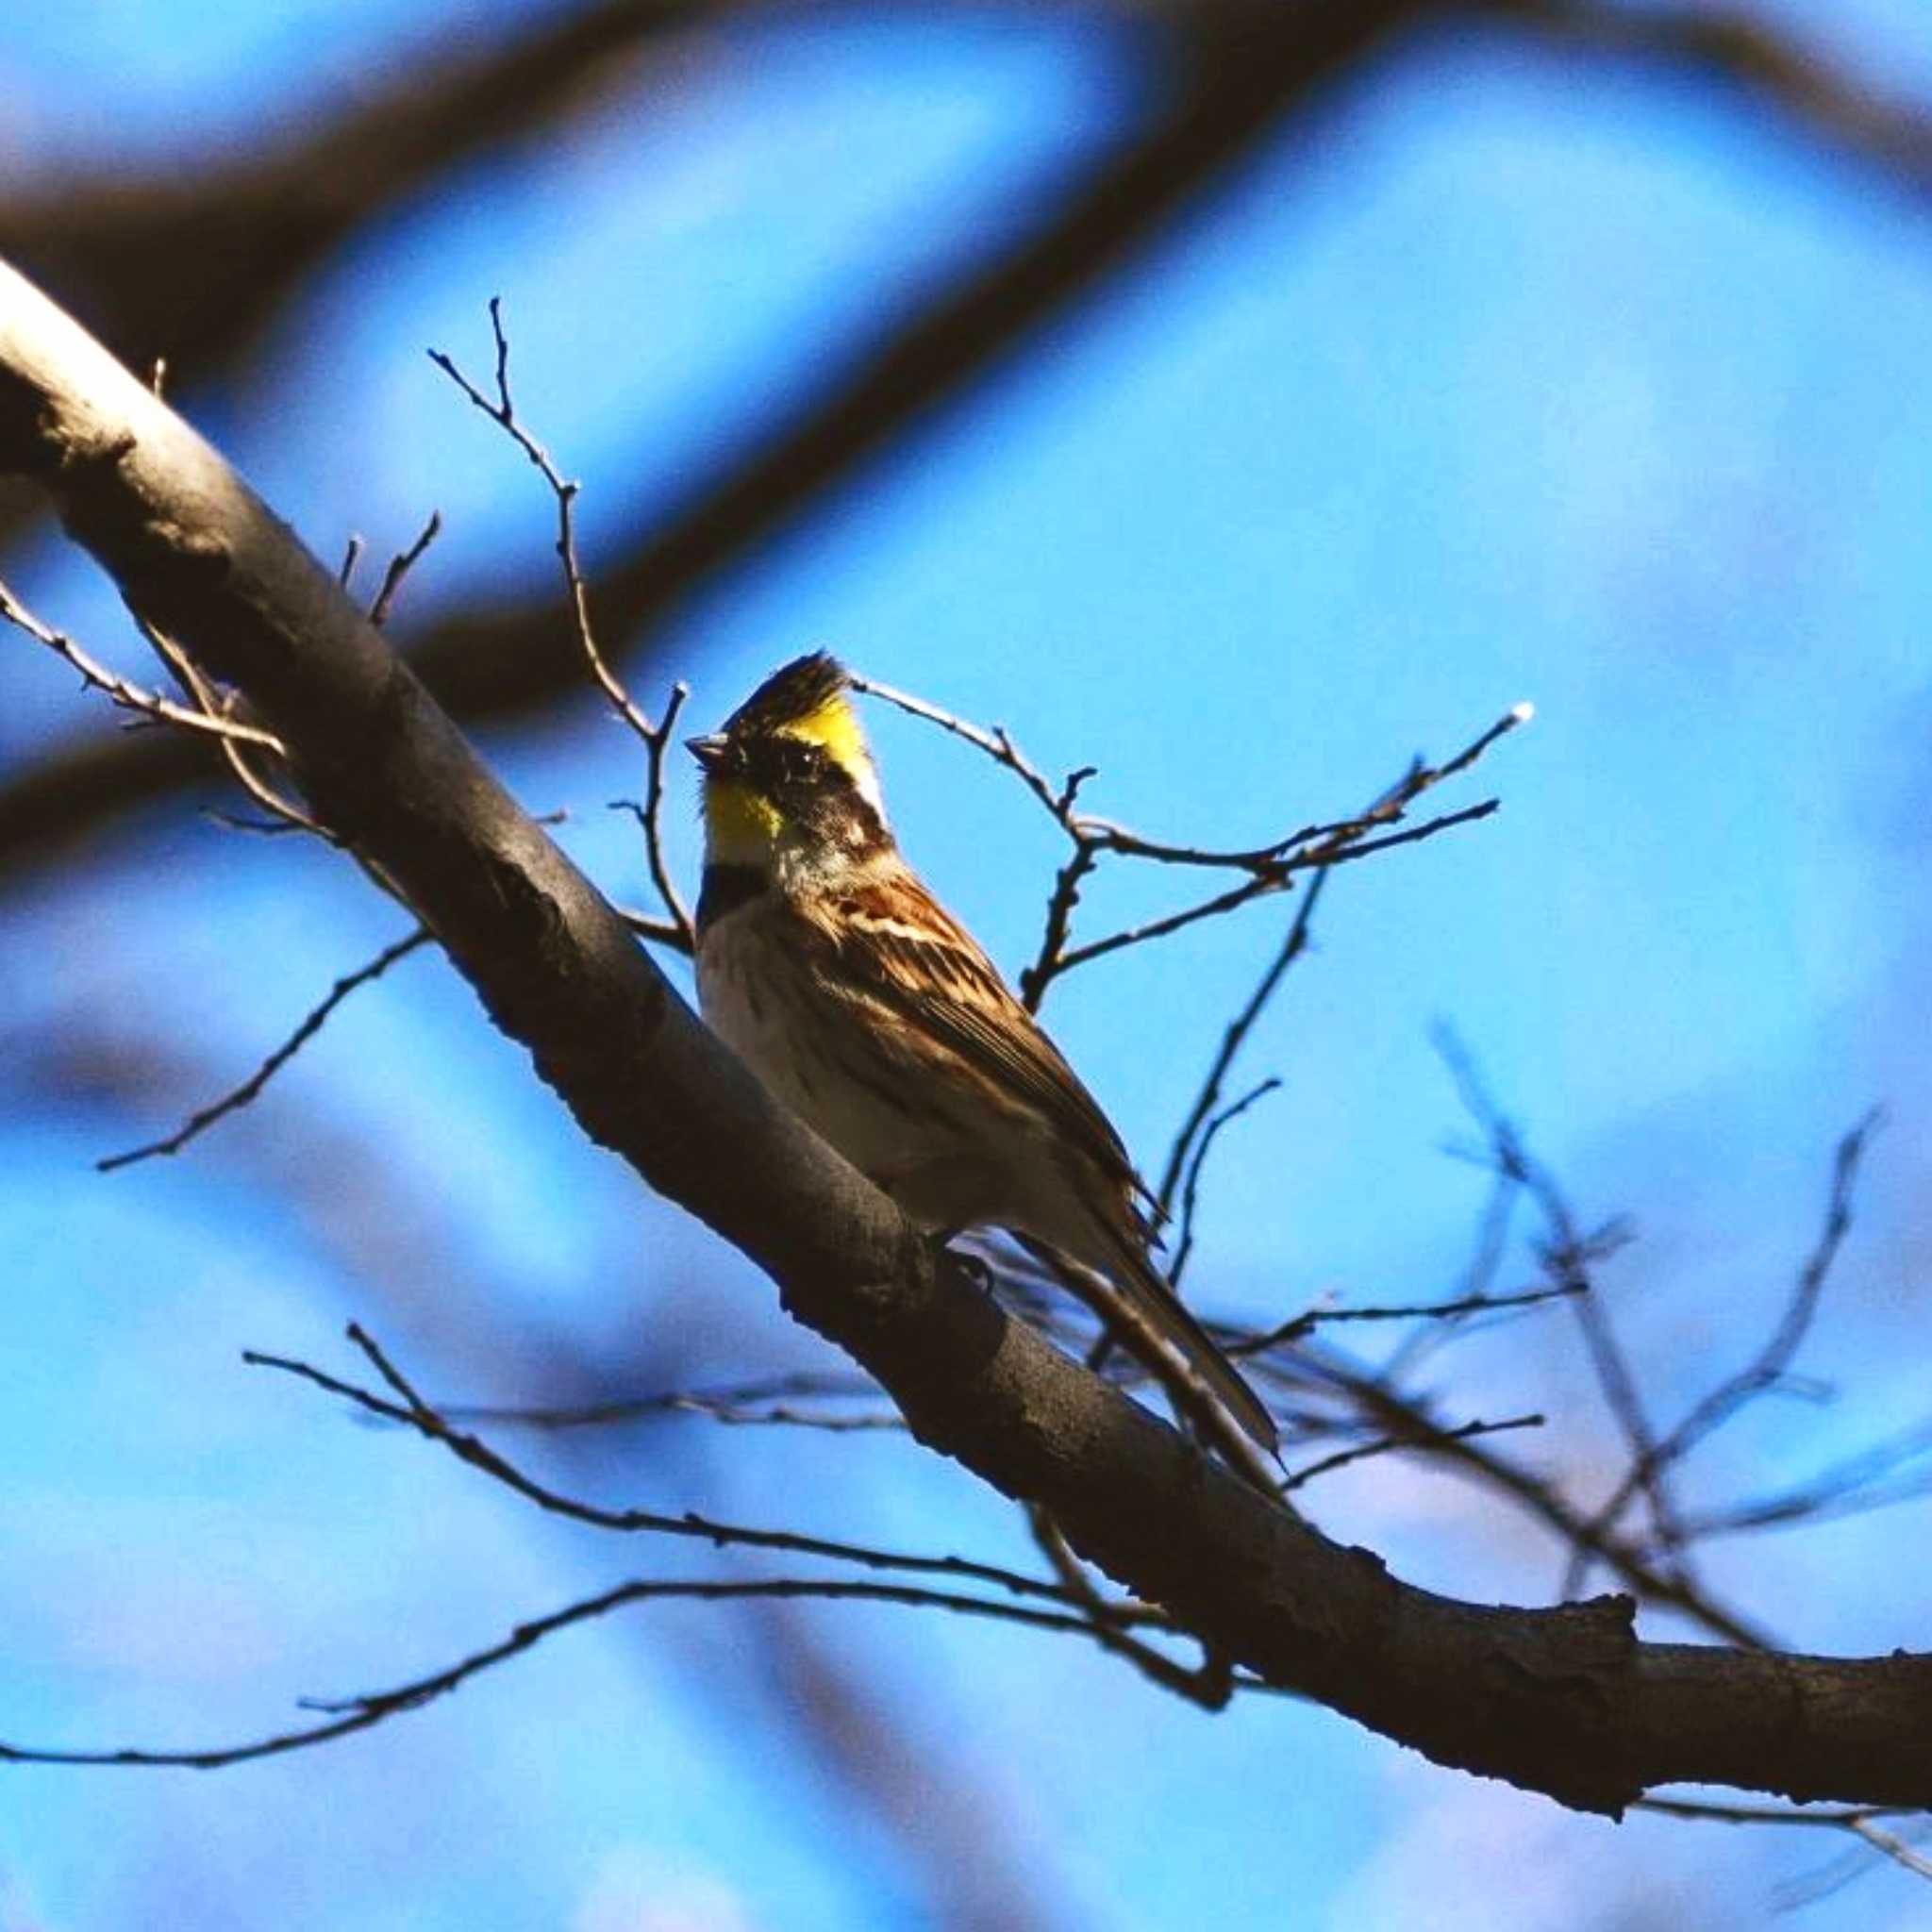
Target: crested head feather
807, 700
793, 694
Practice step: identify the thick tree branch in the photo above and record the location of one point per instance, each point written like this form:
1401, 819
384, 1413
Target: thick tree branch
1563, 1701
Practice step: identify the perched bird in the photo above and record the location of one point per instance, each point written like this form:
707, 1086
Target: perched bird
866, 1008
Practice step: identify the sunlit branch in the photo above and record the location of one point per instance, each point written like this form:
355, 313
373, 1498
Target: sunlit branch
1587, 1711
130, 697
1266, 868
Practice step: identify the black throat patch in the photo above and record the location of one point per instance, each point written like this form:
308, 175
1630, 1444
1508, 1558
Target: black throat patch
725, 889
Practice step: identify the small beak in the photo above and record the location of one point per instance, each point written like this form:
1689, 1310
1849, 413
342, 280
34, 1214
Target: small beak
710, 752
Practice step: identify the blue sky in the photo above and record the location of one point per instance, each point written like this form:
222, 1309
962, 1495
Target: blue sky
1519, 381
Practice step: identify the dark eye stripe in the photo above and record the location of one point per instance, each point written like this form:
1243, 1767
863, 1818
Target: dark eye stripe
790, 761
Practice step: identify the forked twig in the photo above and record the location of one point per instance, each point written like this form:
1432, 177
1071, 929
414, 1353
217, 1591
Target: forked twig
405, 1405
655, 737
1266, 868
131, 697
1763, 1371
400, 566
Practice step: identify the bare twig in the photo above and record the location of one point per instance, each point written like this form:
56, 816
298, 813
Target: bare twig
765, 1390
1271, 878
1895, 1847
285, 815
1311, 1318
1425, 1439
408, 1408
1822, 1818
1210, 1686
1855, 1821
1184, 1247
1235, 1038
786, 1415
1051, 960
1308, 846
1398, 1410
1567, 1253
312, 1024
655, 738
130, 697
1268, 868
996, 743
660, 932
344, 1716
1767, 1368
399, 567
1845, 1487
1485, 1262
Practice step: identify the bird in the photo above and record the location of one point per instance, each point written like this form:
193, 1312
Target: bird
832, 972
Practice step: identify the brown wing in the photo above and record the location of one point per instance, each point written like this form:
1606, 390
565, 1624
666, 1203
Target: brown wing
905, 949
898, 946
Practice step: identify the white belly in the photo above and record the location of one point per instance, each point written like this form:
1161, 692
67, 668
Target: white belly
819, 1059
811, 1053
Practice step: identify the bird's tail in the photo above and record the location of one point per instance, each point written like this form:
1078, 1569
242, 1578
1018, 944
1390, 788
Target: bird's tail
1147, 1295
1169, 1316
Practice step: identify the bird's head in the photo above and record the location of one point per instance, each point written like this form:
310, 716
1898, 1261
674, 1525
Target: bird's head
789, 776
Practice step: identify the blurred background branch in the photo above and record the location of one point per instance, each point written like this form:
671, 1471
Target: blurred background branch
1229, 75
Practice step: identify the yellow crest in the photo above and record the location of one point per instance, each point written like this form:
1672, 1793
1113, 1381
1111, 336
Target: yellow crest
833, 725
